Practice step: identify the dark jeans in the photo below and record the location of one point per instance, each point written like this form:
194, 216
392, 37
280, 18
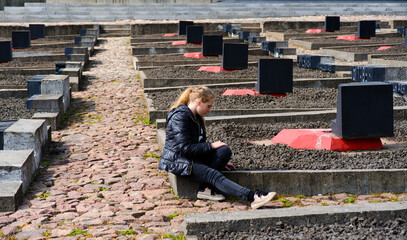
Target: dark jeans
207, 170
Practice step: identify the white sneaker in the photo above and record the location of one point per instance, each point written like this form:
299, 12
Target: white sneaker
261, 198
209, 194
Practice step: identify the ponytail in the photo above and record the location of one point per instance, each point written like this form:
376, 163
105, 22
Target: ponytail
192, 93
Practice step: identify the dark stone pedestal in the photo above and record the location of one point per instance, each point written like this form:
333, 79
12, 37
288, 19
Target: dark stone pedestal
364, 110
366, 29
34, 85
182, 27
5, 51
3, 126
405, 41
37, 31
21, 39
212, 45
332, 23
272, 45
194, 34
274, 76
59, 65
235, 56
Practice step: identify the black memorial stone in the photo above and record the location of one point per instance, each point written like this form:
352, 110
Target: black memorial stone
368, 73
274, 76
235, 55
182, 27
364, 110
402, 88
272, 45
244, 35
194, 34
37, 31
366, 29
34, 85
332, 23
21, 39
405, 41
313, 61
227, 28
5, 51
59, 66
327, 67
256, 39
212, 45
401, 30
3, 126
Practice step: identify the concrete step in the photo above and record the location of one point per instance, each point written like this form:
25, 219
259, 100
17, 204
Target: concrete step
11, 194
17, 165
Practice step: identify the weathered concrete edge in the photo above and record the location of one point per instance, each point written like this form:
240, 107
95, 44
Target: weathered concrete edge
373, 60
256, 219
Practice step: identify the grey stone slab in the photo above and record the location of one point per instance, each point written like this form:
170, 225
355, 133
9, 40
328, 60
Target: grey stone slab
11, 194
27, 134
52, 119
47, 103
17, 165
57, 84
256, 219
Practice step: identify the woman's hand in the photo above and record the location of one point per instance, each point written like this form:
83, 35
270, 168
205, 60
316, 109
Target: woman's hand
230, 167
218, 144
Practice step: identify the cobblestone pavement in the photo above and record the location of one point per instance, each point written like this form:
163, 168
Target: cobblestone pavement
100, 179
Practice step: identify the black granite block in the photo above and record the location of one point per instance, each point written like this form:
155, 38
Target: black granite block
402, 88
332, 23
327, 67
182, 27
256, 39
272, 45
274, 76
364, 110
212, 45
37, 31
83, 32
78, 40
401, 30
405, 41
373, 73
235, 55
59, 66
227, 28
34, 85
3, 126
21, 39
366, 29
6, 54
243, 35
68, 51
194, 34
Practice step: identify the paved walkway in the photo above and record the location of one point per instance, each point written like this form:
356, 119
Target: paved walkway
100, 180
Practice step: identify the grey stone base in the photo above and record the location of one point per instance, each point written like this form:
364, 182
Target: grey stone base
11, 194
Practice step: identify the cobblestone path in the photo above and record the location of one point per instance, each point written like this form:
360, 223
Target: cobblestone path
100, 179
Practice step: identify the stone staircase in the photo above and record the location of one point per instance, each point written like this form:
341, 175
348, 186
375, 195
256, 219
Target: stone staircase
53, 12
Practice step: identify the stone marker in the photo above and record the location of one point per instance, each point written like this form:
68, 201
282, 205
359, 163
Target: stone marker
212, 45
366, 29
405, 41
57, 84
274, 76
332, 23
21, 39
194, 34
5, 51
3, 126
59, 66
401, 30
244, 35
272, 45
256, 39
370, 73
34, 85
17, 165
182, 27
313, 61
364, 110
235, 55
37, 31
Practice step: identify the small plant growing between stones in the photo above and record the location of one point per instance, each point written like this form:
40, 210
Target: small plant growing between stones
44, 163
152, 155
44, 195
77, 231
350, 200
286, 203
374, 201
143, 120
128, 232
301, 196
175, 214
103, 189
47, 233
324, 203
174, 237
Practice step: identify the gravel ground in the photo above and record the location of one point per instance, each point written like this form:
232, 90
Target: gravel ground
355, 228
250, 72
397, 58
178, 57
40, 64
249, 156
13, 79
300, 98
374, 50
14, 109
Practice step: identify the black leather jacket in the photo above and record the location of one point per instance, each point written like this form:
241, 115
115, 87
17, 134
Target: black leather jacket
182, 143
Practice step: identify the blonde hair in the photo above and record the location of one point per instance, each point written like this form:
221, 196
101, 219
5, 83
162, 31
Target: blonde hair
193, 93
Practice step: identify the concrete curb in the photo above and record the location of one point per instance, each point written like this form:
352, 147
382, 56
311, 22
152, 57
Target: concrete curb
349, 56
376, 59
256, 219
